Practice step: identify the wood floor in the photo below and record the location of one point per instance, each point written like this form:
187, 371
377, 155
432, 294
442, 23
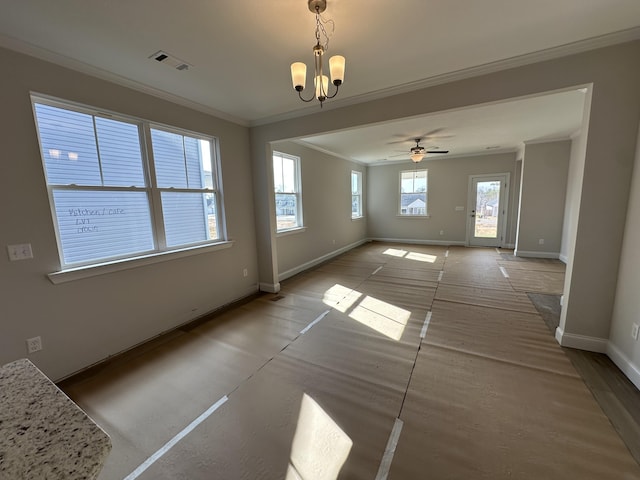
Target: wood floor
390, 361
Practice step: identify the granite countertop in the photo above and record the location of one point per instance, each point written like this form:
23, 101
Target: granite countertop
43, 434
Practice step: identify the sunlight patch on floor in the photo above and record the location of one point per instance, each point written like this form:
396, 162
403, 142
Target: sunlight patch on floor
382, 317
376, 314
419, 257
320, 447
335, 295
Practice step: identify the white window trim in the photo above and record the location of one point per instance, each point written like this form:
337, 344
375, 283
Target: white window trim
359, 176
88, 271
406, 215
161, 253
290, 231
298, 193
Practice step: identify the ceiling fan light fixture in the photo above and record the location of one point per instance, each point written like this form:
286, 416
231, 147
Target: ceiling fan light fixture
416, 157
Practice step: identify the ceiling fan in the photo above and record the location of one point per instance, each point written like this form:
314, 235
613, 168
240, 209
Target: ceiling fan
418, 152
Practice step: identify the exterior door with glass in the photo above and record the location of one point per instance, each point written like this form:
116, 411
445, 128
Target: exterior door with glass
487, 210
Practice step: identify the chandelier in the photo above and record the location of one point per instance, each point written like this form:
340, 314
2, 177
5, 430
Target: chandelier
336, 63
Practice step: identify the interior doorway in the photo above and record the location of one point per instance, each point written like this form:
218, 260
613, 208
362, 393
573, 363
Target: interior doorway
487, 210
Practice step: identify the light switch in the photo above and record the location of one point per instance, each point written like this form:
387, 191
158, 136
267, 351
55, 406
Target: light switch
20, 252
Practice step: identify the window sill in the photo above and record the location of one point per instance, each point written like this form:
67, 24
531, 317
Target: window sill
413, 216
78, 273
291, 231
361, 217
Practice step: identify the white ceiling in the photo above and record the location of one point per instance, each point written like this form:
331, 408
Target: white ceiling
240, 52
491, 128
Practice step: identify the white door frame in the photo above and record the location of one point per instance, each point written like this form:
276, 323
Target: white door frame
505, 179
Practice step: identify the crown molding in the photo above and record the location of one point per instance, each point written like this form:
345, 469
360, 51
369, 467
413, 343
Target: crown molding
564, 138
491, 67
552, 53
311, 146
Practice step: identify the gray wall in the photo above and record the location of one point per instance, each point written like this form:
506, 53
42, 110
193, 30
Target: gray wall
574, 193
543, 191
87, 320
448, 185
84, 321
622, 347
614, 74
326, 199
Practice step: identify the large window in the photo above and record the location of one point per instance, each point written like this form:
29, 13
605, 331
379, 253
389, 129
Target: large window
110, 200
286, 184
356, 194
413, 192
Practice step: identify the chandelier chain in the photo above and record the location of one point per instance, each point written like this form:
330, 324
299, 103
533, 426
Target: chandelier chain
323, 31
320, 29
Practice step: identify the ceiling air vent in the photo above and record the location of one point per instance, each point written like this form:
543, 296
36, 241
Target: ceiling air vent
170, 60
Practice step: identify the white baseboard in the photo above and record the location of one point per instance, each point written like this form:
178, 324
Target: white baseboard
582, 342
622, 361
445, 243
524, 253
510, 246
317, 261
563, 258
269, 287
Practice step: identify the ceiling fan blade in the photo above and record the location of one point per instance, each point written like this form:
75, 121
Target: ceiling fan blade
431, 133
437, 151
421, 138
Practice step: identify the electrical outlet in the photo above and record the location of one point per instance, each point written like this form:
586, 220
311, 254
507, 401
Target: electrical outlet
19, 252
34, 344
441, 232
634, 331
541, 241
245, 272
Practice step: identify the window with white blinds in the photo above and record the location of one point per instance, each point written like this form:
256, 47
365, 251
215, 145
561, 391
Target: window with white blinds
110, 200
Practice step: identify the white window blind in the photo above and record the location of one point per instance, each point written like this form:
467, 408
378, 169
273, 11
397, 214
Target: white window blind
185, 179
102, 202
